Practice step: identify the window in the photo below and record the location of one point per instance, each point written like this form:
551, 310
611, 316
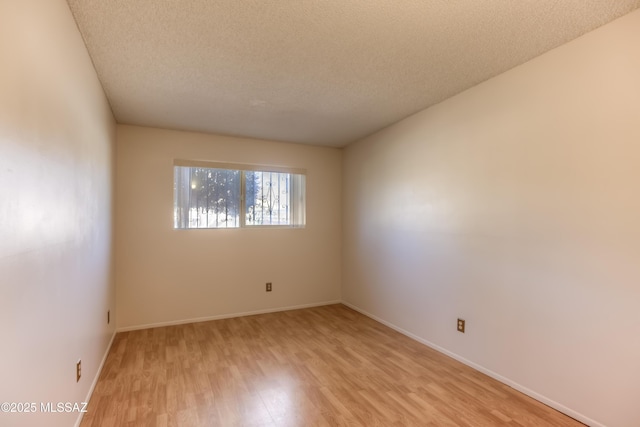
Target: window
217, 195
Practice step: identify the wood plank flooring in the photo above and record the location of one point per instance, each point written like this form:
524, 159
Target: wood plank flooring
324, 366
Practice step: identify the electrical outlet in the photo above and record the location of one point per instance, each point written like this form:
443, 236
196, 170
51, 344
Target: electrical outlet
269, 286
108, 316
78, 370
461, 325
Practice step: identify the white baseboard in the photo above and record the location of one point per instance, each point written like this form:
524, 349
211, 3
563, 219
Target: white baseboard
95, 379
543, 399
224, 316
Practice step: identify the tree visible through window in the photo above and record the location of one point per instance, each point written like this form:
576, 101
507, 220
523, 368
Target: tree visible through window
209, 197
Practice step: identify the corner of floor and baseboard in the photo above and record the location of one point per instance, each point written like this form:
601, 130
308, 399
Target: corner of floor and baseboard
95, 379
537, 396
225, 316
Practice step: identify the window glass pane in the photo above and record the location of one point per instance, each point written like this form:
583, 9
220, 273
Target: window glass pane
206, 197
214, 197
268, 198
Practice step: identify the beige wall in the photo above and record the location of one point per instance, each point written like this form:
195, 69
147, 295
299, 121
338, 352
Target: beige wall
516, 206
56, 140
165, 275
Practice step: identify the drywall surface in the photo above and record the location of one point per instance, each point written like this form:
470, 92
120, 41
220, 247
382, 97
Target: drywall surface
166, 276
57, 136
515, 206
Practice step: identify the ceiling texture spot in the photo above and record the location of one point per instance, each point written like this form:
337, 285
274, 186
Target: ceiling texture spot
324, 72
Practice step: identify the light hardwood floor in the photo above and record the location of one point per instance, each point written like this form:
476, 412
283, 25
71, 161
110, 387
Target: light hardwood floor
324, 366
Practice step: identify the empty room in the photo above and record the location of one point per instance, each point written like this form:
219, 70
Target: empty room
319, 213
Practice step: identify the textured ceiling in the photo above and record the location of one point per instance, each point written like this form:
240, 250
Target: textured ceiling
322, 72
